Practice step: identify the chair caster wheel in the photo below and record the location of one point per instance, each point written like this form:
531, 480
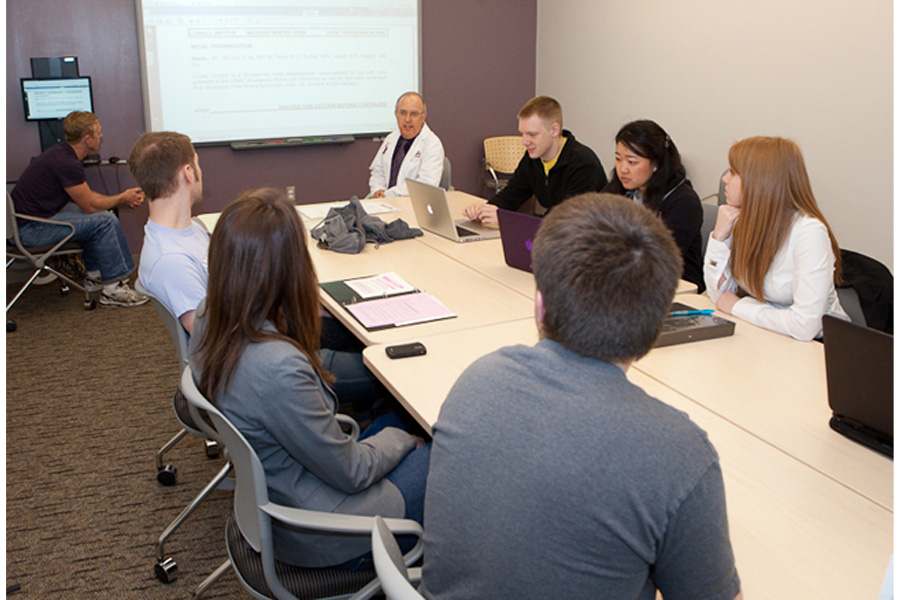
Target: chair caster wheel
166, 475
10, 326
166, 570
212, 448
63, 290
90, 304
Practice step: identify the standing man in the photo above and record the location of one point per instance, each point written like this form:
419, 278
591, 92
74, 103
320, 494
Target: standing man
174, 257
556, 166
411, 151
552, 475
54, 187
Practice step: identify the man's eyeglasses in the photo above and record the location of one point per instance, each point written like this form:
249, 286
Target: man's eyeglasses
412, 114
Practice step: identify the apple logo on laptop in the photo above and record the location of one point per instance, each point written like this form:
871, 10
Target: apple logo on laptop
430, 210
528, 245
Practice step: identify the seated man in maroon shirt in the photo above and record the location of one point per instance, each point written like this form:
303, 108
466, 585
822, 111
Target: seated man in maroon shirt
53, 187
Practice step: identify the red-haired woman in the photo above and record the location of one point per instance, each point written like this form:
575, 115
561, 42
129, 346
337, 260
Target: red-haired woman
772, 259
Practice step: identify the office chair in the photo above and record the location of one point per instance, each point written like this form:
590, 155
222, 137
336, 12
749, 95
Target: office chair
390, 566
166, 568
710, 206
867, 291
166, 474
446, 175
37, 257
248, 536
501, 157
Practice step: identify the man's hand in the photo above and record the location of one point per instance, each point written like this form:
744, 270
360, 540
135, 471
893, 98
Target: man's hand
132, 197
378, 194
485, 213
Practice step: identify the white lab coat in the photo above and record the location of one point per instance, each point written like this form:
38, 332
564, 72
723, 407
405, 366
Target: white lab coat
423, 162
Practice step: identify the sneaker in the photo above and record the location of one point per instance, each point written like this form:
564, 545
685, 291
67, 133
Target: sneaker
122, 296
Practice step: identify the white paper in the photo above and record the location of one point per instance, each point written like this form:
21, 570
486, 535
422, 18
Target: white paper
399, 311
313, 212
388, 284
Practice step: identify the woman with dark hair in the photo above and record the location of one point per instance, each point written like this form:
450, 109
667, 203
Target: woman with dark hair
772, 242
255, 351
649, 171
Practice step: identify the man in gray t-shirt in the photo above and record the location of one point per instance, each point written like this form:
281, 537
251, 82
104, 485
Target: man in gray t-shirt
552, 476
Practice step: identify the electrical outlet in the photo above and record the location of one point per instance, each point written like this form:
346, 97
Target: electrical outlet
291, 193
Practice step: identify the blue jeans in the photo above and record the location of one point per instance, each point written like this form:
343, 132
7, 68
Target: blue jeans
410, 477
354, 383
105, 248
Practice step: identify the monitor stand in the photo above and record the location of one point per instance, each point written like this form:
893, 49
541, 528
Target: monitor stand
51, 132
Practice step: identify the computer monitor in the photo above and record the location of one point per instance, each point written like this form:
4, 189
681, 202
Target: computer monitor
50, 99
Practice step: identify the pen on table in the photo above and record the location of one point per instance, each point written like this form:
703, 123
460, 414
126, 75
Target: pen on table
691, 313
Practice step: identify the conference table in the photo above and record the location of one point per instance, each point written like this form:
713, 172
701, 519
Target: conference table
810, 512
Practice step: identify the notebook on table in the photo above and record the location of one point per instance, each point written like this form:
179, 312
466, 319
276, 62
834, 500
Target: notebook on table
433, 214
692, 328
517, 231
859, 368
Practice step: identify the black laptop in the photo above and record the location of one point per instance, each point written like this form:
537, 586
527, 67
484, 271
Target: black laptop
692, 328
859, 367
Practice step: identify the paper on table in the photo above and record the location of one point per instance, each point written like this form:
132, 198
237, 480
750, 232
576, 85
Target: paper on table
398, 311
388, 284
312, 212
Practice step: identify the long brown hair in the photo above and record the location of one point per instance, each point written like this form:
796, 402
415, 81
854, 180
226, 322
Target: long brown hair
774, 188
259, 270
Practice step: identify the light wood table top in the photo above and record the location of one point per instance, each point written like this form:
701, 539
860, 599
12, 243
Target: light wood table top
421, 383
484, 256
774, 387
476, 299
796, 532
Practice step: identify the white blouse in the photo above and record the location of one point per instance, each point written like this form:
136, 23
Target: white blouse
798, 289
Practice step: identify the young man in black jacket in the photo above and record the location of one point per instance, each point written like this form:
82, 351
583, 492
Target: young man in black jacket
555, 167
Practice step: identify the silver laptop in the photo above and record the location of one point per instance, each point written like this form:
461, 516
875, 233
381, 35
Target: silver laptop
433, 214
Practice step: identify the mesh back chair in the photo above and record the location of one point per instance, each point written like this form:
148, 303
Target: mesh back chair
166, 568
501, 157
390, 566
38, 256
248, 536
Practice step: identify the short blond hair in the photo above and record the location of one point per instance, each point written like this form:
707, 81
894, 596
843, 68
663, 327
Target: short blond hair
79, 124
546, 108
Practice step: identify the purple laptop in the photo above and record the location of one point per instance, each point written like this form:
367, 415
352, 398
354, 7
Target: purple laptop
517, 231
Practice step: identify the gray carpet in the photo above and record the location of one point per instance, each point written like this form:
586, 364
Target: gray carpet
88, 404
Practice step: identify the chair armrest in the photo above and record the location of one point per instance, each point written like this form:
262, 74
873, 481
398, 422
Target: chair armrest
43, 220
490, 168
342, 523
55, 247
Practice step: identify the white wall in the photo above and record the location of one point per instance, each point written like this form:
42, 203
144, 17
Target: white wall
712, 72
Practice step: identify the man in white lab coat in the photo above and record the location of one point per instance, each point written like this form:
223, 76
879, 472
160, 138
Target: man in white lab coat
411, 151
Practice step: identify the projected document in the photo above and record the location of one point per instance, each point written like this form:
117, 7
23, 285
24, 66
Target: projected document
241, 71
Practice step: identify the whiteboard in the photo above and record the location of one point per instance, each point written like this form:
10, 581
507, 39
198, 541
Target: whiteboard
230, 70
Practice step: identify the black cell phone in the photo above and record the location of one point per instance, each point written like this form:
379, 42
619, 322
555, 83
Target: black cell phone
405, 350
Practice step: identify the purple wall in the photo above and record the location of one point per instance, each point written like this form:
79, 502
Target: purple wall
478, 70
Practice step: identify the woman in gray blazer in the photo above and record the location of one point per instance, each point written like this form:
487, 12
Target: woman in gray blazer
254, 350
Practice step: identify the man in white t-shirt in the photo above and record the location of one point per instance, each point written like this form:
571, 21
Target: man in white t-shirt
173, 259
